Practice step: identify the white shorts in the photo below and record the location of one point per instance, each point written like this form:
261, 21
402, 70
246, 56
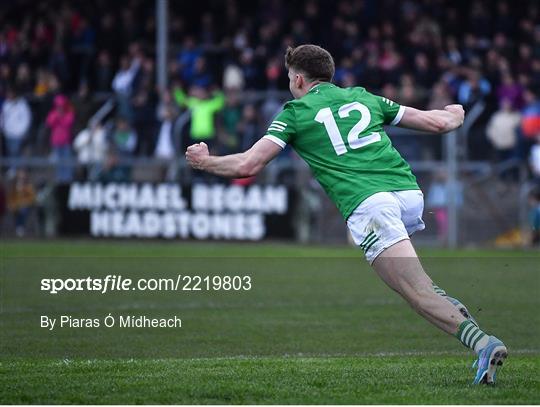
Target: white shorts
384, 219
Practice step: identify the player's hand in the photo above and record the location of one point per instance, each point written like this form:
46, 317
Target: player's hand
457, 110
196, 154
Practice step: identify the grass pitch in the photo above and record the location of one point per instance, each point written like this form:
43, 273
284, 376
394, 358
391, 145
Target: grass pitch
317, 328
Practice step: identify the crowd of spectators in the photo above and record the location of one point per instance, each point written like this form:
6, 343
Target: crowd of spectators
60, 60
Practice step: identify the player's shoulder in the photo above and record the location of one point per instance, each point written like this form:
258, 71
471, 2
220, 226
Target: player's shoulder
359, 94
360, 91
294, 107
357, 89
370, 99
290, 104
287, 114
289, 107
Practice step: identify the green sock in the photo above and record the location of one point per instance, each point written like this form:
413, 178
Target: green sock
471, 336
439, 290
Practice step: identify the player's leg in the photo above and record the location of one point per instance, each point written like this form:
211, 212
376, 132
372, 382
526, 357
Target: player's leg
406, 276
411, 205
399, 267
377, 227
457, 303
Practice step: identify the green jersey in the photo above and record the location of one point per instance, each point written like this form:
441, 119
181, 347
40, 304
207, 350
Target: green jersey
202, 113
339, 133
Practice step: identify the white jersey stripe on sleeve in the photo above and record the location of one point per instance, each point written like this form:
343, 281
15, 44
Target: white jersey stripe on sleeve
278, 122
387, 101
276, 140
279, 126
273, 128
398, 117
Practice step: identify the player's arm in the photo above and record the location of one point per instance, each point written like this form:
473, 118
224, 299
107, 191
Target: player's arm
434, 121
246, 164
250, 162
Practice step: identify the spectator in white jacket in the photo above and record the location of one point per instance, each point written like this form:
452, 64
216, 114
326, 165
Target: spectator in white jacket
91, 144
15, 120
501, 129
91, 147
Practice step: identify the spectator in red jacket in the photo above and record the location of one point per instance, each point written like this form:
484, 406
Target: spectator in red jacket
60, 120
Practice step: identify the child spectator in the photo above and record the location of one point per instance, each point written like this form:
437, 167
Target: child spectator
91, 147
60, 120
21, 198
124, 138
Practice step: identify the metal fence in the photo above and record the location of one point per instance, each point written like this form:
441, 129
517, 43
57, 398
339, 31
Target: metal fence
484, 207
479, 206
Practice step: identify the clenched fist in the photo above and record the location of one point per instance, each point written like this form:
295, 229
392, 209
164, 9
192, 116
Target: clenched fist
196, 154
456, 110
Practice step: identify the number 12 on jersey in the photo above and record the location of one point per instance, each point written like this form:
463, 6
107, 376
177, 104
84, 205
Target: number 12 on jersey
326, 117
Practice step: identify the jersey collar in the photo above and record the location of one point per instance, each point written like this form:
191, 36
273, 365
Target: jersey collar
320, 85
